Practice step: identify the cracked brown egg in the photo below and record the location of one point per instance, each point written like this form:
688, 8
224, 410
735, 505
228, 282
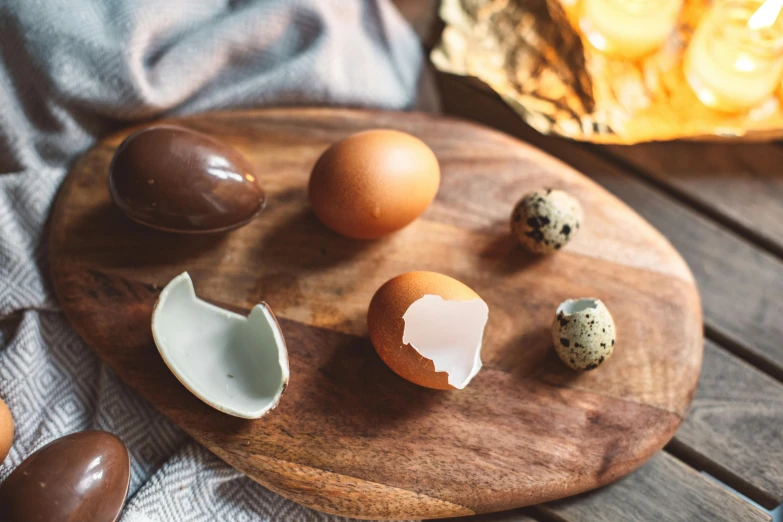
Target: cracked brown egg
428, 328
583, 333
545, 220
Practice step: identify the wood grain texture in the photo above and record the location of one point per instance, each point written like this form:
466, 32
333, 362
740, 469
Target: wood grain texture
349, 436
733, 432
735, 427
739, 184
740, 284
737, 440
516, 515
664, 490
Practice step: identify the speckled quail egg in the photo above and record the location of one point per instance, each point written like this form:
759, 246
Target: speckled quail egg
545, 220
583, 333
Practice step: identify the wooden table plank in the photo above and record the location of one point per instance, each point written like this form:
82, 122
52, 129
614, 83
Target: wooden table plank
740, 284
735, 428
740, 184
663, 490
716, 435
735, 279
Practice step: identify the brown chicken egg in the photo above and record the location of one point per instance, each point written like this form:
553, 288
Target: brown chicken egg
373, 183
6, 430
428, 328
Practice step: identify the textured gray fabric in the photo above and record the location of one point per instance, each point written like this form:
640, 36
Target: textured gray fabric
73, 70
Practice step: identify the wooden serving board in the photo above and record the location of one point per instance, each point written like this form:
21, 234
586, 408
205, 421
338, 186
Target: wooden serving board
351, 437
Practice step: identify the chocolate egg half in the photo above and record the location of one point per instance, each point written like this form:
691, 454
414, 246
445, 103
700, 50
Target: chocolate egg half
179, 180
82, 476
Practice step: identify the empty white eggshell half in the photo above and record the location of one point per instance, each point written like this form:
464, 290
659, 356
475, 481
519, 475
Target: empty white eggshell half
236, 364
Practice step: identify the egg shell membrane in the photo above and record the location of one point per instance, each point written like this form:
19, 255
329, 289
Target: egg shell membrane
6, 430
386, 325
373, 183
585, 338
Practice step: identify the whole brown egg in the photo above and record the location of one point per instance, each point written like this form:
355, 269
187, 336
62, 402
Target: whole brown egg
373, 183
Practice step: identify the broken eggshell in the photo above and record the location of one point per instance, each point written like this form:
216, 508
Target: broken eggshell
428, 328
178, 180
236, 364
583, 333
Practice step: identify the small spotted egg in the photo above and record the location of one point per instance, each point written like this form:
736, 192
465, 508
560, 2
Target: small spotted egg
545, 220
583, 333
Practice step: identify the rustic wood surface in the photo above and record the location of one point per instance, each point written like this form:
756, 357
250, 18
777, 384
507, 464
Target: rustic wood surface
734, 431
349, 436
740, 185
515, 515
673, 492
735, 425
740, 284
720, 205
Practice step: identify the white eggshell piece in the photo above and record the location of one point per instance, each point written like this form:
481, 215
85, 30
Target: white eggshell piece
449, 333
236, 364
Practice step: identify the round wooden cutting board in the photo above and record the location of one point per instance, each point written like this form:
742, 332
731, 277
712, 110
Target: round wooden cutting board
351, 437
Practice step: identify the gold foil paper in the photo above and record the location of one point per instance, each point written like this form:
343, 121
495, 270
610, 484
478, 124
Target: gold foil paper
529, 53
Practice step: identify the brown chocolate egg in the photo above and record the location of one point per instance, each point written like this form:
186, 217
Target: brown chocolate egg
428, 328
6, 430
82, 476
179, 180
373, 183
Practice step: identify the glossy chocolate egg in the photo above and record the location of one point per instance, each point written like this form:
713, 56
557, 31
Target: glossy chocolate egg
82, 476
179, 180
